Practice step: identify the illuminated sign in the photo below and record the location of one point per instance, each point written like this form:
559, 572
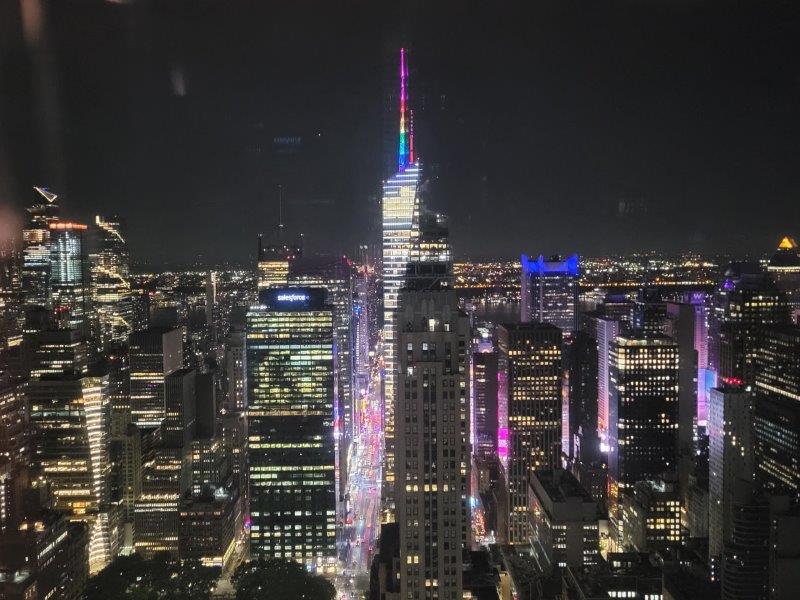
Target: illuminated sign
292, 297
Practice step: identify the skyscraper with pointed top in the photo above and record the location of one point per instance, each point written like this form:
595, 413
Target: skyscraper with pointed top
400, 216
36, 249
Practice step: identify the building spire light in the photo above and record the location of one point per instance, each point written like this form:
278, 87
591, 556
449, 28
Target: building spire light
405, 142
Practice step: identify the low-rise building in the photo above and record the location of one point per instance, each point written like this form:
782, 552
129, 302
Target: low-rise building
622, 575
208, 526
564, 521
651, 516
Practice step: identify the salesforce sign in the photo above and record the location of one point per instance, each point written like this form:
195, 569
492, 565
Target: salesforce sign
291, 297
286, 298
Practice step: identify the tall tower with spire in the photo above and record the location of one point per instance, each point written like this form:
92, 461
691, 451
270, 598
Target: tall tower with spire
400, 216
274, 258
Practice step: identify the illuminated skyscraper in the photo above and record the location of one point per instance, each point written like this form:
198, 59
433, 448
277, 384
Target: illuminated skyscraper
14, 452
235, 370
111, 288
580, 366
433, 435
167, 470
400, 208
178, 428
69, 276
746, 300
484, 382
69, 415
730, 463
56, 352
166, 477
643, 415
549, 291
36, 251
274, 261
11, 303
291, 450
680, 325
154, 354
776, 419
334, 275
784, 266
432, 244
532, 356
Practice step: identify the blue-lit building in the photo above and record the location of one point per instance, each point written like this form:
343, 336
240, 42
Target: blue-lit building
291, 449
69, 275
549, 291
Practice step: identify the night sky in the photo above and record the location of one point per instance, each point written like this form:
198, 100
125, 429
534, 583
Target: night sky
595, 127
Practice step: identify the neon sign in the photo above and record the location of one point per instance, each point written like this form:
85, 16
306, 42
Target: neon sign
292, 297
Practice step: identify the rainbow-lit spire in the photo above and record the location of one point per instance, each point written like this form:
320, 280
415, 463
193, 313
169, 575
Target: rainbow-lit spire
405, 139
411, 136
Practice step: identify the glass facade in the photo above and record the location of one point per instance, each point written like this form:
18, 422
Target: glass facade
36, 252
643, 414
533, 361
291, 449
400, 229
549, 291
69, 415
69, 276
111, 288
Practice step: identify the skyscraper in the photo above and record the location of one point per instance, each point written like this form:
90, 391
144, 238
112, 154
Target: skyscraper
643, 415
14, 452
36, 248
111, 288
608, 329
580, 363
291, 451
178, 428
69, 276
274, 260
746, 300
680, 326
57, 351
433, 449
776, 418
730, 465
334, 275
484, 389
166, 477
11, 303
69, 415
532, 355
549, 292
400, 208
154, 353
235, 370
432, 244
784, 266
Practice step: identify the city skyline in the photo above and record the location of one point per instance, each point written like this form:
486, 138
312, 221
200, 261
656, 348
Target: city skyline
303, 391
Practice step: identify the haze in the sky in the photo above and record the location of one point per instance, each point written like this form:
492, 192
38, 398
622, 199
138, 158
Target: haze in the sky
543, 127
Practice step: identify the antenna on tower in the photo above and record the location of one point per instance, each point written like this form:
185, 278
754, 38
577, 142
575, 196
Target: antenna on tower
402, 159
411, 136
280, 213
